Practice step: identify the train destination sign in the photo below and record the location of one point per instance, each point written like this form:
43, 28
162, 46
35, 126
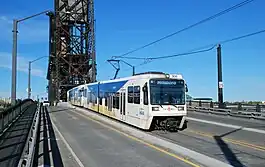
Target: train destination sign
167, 82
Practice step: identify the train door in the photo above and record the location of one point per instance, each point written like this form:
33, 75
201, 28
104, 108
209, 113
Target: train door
82, 97
110, 102
122, 105
144, 104
85, 98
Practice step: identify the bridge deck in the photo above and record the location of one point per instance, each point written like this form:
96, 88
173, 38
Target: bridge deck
97, 145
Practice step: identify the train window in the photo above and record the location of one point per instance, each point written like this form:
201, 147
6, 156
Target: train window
93, 99
113, 101
85, 93
110, 103
90, 97
116, 100
146, 97
136, 94
130, 94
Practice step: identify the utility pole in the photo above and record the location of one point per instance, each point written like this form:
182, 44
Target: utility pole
29, 88
14, 54
220, 77
14, 64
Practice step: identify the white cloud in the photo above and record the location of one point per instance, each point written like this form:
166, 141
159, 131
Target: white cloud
30, 31
3, 18
22, 64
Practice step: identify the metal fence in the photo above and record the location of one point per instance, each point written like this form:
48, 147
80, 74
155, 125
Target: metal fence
27, 157
240, 110
11, 114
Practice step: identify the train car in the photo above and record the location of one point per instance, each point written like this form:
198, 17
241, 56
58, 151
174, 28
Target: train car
148, 100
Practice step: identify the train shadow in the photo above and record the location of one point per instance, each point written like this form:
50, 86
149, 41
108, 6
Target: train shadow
228, 153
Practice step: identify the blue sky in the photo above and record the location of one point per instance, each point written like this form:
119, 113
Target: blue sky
125, 25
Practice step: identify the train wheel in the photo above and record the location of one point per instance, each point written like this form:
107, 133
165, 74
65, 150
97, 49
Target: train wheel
171, 125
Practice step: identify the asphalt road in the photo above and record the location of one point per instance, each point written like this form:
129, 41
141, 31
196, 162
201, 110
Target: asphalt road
249, 123
234, 146
50, 149
98, 146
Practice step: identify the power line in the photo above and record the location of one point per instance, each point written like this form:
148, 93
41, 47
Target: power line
231, 39
189, 27
193, 51
148, 60
243, 36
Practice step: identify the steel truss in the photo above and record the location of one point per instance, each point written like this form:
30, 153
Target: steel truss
72, 41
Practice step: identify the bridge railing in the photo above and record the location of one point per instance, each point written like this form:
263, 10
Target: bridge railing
11, 114
238, 110
27, 156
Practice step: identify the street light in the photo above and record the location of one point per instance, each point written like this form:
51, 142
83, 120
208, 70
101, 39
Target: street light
29, 74
14, 54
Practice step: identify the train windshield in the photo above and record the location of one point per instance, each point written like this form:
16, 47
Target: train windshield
167, 92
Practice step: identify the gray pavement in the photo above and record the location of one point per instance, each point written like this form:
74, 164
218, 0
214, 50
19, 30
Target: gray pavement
50, 149
231, 133
96, 145
249, 123
234, 146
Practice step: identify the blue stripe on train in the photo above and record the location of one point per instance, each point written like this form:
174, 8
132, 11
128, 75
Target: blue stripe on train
107, 88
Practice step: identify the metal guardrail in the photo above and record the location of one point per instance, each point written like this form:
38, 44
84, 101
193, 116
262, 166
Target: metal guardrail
27, 157
4, 105
10, 115
236, 110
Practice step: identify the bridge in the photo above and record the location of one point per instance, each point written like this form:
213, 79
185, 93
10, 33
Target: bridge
59, 134
66, 135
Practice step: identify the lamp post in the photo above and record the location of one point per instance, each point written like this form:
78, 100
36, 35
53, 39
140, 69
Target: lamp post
29, 73
14, 54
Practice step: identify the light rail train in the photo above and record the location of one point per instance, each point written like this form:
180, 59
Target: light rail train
151, 100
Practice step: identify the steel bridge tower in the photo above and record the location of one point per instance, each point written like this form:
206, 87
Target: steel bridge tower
72, 59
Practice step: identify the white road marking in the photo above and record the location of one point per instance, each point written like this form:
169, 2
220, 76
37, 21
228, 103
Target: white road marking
67, 145
227, 125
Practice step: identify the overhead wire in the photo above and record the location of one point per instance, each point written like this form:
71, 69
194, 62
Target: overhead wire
148, 60
198, 49
195, 50
189, 27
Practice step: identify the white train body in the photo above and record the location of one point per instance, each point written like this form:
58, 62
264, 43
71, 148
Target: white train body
147, 100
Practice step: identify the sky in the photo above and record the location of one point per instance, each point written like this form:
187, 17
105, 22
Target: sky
125, 25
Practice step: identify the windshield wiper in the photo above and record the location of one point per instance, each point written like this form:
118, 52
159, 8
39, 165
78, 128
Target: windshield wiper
161, 105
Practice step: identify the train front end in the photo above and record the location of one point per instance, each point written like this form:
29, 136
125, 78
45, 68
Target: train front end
168, 102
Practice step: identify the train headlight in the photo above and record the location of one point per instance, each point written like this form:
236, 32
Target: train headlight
181, 108
155, 108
